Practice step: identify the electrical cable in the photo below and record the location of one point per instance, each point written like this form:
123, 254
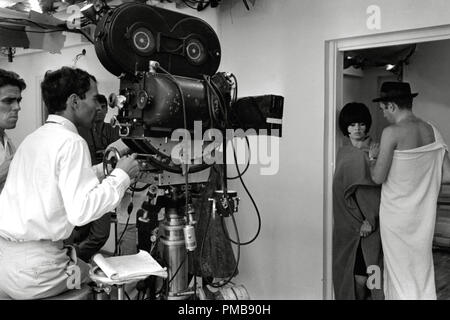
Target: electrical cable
186, 173
30, 31
235, 159
19, 20
221, 101
85, 35
189, 5
173, 276
129, 211
253, 202
219, 96
118, 251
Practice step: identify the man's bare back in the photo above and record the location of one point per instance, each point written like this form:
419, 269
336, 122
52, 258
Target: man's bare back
412, 133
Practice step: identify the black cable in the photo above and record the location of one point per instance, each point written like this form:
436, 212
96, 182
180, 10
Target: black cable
208, 101
201, 7
189, 5
173, 276
115, 234
210, 89
134, 189
129, 211
18, 30
19, 20
221, 101
256, 208
186, 173
141, 188
219, 96
85, 35
235, 159
121, 236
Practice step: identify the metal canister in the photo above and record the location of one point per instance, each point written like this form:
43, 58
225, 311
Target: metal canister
235, 292
175, 255
189, 237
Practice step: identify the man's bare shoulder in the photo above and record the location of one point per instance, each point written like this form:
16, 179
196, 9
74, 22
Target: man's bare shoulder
391, 136
391, 131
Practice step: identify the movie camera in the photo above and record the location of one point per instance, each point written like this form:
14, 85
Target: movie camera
167, 65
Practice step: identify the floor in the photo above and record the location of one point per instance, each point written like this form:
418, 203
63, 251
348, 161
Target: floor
442, 272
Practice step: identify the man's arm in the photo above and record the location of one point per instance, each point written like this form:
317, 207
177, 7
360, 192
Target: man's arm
85, 199
379, 169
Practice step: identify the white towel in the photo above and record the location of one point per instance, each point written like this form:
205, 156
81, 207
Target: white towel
407, 220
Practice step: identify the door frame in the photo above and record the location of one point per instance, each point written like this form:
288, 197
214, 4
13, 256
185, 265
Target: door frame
334, 50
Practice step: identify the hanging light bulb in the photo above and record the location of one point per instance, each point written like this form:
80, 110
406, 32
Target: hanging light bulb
389, 67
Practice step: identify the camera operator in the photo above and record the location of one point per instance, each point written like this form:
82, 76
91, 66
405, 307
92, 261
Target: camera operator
52, 187
90, 238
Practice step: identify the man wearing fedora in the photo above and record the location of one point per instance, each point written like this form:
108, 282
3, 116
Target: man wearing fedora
412, 163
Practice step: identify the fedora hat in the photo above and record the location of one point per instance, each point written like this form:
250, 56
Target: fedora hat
392, 90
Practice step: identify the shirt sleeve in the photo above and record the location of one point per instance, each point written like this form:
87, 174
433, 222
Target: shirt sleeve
85, 198
98, 168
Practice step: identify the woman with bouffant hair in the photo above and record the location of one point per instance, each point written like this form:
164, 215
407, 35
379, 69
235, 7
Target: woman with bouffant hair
356, 199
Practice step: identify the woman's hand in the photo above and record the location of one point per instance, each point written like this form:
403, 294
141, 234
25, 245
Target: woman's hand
366, 229
374, 149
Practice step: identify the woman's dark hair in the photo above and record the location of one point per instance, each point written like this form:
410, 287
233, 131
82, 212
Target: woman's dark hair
12, 79
354, 112
60, 84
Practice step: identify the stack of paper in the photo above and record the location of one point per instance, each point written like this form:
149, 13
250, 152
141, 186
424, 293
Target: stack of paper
130, 267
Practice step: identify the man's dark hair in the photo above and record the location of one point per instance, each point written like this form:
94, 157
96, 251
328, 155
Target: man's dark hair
12, 79
402, 103
354, 112
58, 85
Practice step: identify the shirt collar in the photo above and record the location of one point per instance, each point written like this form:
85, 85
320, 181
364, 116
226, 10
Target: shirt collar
63, 121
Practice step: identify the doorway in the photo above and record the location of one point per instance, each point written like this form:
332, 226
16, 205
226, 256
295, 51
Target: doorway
334, 99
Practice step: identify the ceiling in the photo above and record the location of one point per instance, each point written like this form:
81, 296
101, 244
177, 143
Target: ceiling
379, 57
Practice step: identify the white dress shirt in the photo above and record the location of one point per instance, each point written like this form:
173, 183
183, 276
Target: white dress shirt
6, 152
52, 186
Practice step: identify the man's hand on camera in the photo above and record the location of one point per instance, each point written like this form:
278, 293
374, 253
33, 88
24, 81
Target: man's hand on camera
130, 165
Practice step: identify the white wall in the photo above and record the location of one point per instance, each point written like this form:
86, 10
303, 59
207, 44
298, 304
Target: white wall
428, 74
32, 68
279, 47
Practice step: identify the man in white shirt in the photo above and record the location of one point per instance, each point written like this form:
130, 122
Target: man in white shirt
11, 87
51, 188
